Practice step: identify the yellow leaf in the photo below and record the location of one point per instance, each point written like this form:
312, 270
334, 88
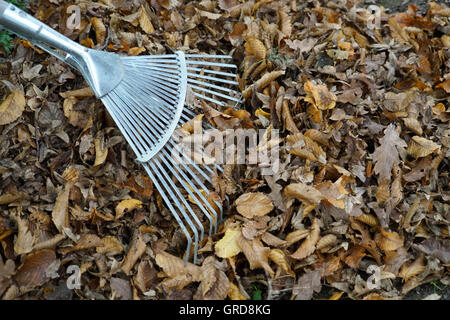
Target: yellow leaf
234, 293
323, 98
228, 247
278, 256
11, 109
336, 296
262, 112
127, 206
254, 204
135, 51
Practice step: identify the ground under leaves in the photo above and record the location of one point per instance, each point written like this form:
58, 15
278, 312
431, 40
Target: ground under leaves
359, 209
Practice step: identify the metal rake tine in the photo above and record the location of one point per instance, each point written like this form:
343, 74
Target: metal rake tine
173, 211
197, 180
168, 182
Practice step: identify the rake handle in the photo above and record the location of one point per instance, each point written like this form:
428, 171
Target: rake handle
27, 27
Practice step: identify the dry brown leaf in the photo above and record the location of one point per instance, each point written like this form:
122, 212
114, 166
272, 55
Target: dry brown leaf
419, 147
100, 30
326, 241
137, 249
101, 151
32, 272
409, 270
11, 108
296, 235
388, 241
323, 98
368, 219
80, 93
111, 246
25, 239
413, 125
278, 256
254, 204
228, 247
257, 255
60, 213
214, 282
86, 241
140, 184
256, 48
303, 192
144, 21
355, 254
77, 118
127, 206
284, 22
262, 83
308, 246
135, 51
174, 268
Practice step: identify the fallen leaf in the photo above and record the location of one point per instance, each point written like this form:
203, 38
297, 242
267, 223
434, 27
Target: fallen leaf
388, 241
137, 249
127, 206
303, 192
323, 98
256, 48
254, 204
32, 272
420, 147
121, 288
387, 153
11, 108
308, 246
228, 247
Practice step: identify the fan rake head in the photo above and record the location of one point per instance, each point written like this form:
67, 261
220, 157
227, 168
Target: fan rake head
148, 101
148, 105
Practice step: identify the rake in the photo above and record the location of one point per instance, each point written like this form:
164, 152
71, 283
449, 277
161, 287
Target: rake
146, 97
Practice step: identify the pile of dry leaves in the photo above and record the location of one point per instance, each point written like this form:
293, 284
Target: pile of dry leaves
360, 207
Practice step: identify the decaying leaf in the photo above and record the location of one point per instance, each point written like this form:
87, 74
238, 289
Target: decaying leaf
127, 206
420, 147
387, 153
308, 246
278, 256
256, 48
254, 204
388, 241
11, 108
323, 98
303, 192
32, 272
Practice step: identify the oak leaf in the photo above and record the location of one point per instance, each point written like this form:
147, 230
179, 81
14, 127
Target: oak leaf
387, 153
